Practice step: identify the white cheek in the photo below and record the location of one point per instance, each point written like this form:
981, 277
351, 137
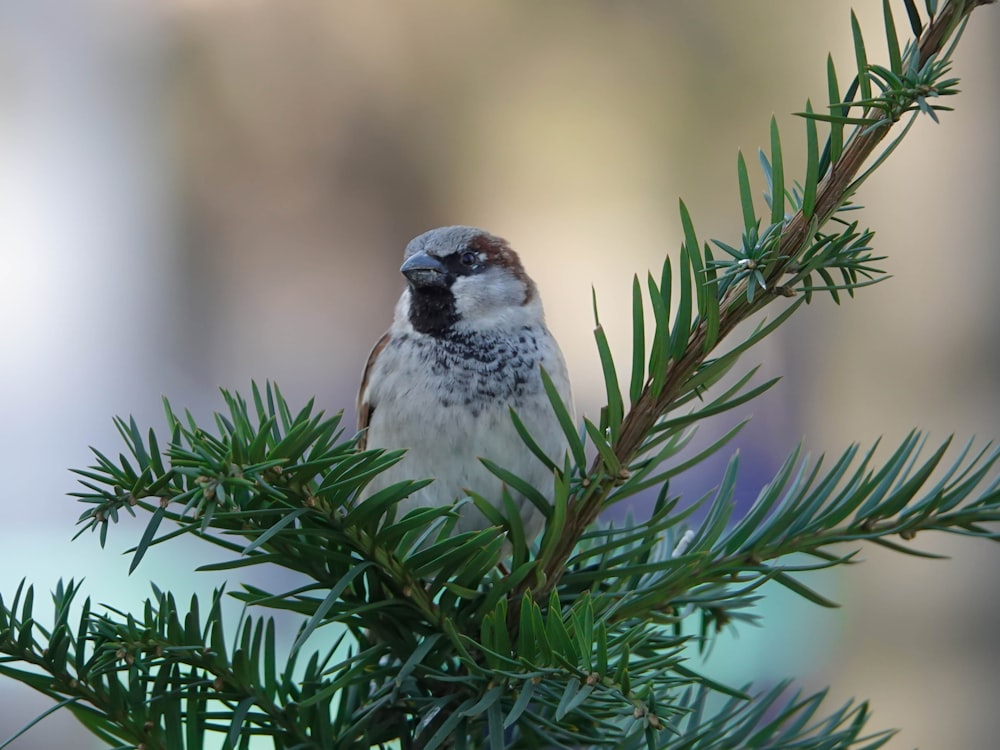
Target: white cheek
401, 316
487, 297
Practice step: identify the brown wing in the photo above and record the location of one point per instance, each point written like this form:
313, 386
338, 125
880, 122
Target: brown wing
365, 408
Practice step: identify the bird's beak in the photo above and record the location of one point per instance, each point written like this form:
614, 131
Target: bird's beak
423, 270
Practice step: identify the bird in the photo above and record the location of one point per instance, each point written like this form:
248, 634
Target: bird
467, 343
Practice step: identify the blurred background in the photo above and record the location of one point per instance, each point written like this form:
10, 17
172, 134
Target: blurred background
195, 193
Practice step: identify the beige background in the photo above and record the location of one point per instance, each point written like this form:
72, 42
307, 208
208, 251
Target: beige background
197, 193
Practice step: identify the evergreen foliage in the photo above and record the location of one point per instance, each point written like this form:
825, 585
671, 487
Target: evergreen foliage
580, 640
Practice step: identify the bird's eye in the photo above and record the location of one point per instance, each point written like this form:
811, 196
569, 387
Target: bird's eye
469, 258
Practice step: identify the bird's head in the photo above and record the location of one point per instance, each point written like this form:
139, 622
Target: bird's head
463, 278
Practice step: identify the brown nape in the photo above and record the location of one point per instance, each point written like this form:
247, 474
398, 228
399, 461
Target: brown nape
499, 253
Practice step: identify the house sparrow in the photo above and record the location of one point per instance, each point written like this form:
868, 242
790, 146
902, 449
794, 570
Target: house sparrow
466, 344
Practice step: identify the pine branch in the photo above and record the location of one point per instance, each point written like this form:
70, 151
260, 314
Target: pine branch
132, 679
735, 305
801, 512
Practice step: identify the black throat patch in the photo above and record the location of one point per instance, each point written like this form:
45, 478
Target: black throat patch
432, 310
